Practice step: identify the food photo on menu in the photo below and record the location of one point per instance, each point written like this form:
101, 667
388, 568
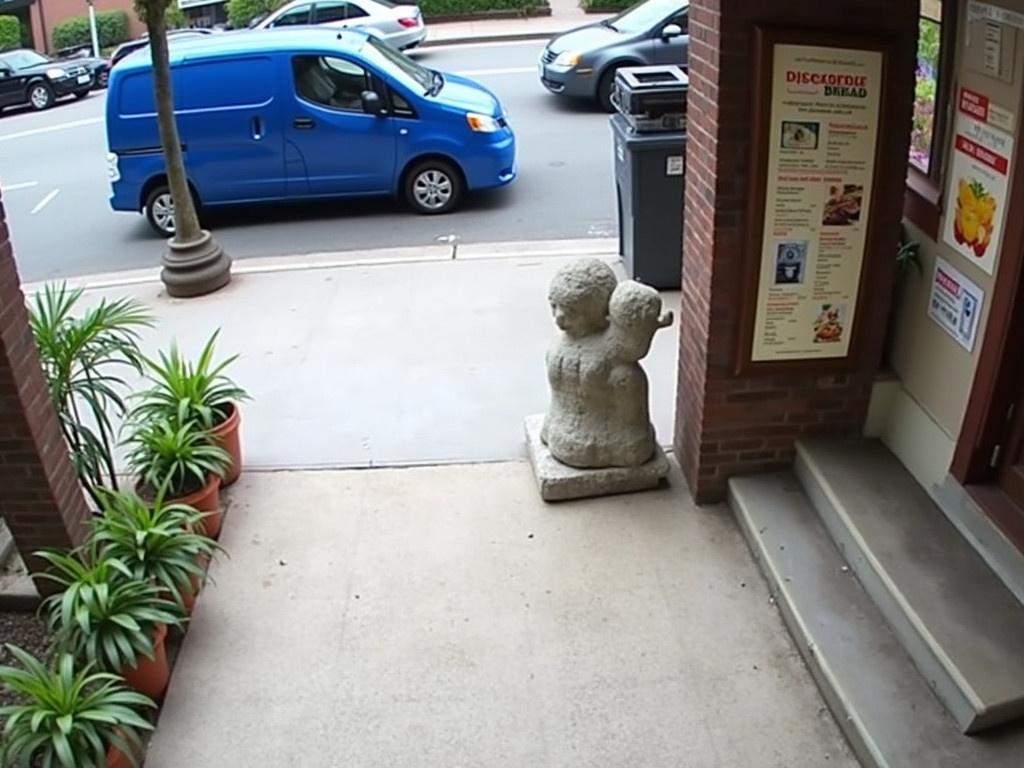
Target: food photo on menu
800, 135
828, 327
842, 205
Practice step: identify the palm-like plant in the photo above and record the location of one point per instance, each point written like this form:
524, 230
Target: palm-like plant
202, 387
156, 541
69, 718
103, 614
80, 357
175, 456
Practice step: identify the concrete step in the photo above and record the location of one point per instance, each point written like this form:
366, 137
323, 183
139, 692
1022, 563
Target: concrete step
959, 623
872, 686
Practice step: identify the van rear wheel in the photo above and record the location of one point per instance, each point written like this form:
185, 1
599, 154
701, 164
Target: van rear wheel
160, 210
433, 186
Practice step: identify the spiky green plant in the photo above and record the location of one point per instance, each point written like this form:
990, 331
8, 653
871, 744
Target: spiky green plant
174, 456
103, 614
157, 541
81, 357
68, 718
208, 394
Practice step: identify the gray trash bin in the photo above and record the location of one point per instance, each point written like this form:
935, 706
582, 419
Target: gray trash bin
649, 171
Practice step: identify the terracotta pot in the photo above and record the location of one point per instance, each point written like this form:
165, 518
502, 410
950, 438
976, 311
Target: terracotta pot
117, 759
150, 676
206, 499
226, 435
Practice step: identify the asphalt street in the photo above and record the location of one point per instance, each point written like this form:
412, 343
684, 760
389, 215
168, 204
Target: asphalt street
55, 189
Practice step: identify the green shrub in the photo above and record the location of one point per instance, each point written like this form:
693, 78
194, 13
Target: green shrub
175, 18
607, 5
111, 27
452, 7
10, 32
241, 12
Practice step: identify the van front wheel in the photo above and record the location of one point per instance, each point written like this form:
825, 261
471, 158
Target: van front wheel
160, 210
433, 186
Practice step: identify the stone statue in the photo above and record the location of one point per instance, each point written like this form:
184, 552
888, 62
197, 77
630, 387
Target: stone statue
599, 414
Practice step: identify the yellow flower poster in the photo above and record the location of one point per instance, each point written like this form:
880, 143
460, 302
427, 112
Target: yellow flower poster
978, 178
825, 105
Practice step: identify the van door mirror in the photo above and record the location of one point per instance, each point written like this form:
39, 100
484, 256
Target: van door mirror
671, 30
372, 103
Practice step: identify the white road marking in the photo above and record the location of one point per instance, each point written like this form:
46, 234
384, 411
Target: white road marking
20, 185
505, 71
51, 128
45, 201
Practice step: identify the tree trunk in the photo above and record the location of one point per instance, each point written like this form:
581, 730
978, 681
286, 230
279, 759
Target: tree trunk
186, 220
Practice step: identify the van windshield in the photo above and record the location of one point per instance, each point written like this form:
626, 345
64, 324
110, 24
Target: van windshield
401, 66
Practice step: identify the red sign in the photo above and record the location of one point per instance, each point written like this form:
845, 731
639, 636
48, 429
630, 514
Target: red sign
982, 155
974, 104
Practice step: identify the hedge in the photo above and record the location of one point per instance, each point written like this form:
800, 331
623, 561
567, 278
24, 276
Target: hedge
431, 8
603, 6
241, 12
111, 27
10, 32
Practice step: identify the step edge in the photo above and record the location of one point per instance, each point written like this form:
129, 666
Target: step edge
967, 707
847, 719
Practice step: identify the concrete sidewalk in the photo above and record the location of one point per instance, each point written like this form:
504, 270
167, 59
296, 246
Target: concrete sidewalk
445, 616
386, 358
565, 15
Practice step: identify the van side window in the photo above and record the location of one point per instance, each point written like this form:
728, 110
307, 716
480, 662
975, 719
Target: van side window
330, 82
294, 17
400, 106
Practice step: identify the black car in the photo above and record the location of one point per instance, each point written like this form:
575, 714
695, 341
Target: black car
28, 77
134, 45
99, 68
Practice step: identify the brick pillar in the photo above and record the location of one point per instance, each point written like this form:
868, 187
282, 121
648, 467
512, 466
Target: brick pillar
40, 497
728, 424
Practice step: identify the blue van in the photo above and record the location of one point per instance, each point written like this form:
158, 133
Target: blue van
304, 113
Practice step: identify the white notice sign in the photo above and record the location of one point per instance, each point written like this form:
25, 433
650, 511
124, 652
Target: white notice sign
955, 304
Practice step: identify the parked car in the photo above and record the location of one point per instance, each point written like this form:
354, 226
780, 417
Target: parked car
400, 25
28, 77
100, 68
283, 115
582, 62
143, 42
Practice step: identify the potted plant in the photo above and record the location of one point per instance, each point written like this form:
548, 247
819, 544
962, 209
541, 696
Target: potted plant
178, 459
159, 543
209, 396
70, 718
81, 356
109, 618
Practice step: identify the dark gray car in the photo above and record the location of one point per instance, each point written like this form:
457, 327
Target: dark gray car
583, 62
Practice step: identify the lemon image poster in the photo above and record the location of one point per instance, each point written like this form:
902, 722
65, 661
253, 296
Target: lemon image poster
978, 179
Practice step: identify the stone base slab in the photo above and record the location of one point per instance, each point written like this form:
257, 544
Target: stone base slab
560, 482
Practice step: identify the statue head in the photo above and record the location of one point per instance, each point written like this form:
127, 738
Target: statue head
635, 313
579, 296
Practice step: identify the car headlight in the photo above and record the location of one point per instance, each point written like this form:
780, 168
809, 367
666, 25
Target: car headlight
567, 59
56, 73
482, 123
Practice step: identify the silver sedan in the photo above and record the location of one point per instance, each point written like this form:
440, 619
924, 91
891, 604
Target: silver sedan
400, 25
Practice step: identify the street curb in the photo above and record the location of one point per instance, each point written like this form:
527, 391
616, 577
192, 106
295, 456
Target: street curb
603, 247
500, 38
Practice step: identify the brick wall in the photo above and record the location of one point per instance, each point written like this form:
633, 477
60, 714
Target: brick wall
40, 498
46, 14
727, 424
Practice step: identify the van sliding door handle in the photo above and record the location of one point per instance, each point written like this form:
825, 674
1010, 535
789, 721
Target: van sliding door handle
257, 128
304, 123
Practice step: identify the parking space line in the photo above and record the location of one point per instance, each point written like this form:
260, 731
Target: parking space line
19, 185
51, 128
45, 201
505, 71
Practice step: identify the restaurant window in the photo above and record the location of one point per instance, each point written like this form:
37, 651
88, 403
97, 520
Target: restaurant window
933, 78
926, 90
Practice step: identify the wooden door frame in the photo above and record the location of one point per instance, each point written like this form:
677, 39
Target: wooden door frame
999, 376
